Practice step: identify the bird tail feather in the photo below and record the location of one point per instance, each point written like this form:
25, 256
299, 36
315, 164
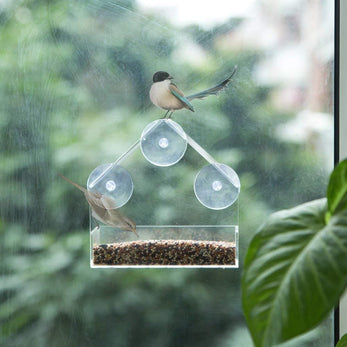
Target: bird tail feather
214, 90
84, 190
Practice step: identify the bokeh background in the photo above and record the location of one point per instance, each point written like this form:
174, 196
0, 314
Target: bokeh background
75, 77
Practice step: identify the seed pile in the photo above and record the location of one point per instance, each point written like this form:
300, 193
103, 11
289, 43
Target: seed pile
165, 252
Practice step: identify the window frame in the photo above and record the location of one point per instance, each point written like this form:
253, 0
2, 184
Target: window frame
340, 114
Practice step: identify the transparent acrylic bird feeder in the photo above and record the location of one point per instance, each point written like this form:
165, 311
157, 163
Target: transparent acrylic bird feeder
191, 219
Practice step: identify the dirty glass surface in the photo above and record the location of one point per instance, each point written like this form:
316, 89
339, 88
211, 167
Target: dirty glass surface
75, 80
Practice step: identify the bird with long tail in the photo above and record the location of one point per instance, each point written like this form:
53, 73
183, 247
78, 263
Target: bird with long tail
165, 94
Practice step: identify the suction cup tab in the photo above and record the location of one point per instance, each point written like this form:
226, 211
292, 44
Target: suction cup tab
163, 142
217, 186
112, 181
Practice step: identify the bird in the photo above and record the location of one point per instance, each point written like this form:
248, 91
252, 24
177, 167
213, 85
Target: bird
165, 94
103, 209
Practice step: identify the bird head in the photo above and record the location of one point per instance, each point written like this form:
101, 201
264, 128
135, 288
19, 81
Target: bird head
161, 76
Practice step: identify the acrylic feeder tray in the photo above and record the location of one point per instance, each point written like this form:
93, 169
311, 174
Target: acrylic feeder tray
203, 195
165, 246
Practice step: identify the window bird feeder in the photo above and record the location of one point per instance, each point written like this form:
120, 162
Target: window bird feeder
209, 240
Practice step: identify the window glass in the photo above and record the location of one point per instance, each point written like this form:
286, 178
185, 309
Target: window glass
75, 80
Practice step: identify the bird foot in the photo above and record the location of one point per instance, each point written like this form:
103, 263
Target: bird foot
166, 115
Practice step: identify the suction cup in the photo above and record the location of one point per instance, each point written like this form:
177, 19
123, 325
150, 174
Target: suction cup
113, 181
163, 142
217, 186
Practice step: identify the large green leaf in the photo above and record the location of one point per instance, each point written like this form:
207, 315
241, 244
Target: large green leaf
342, 342
337, 188
295, 270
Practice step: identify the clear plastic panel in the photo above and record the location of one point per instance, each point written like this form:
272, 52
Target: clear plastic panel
208, 238
165, 246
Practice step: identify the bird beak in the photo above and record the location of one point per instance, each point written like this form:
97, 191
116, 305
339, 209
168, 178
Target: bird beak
170, 78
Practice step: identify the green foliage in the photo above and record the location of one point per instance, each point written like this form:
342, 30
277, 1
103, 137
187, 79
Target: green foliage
343, 341
295, 268
55, 299
337, 189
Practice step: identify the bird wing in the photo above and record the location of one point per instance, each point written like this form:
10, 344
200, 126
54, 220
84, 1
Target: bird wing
214, 90
103, 209
99, 212
179, 95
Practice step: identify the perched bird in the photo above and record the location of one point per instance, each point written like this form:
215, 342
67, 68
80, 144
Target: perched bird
165, 94
103, 209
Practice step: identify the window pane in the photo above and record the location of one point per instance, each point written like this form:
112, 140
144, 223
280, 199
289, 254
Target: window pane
75, 94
